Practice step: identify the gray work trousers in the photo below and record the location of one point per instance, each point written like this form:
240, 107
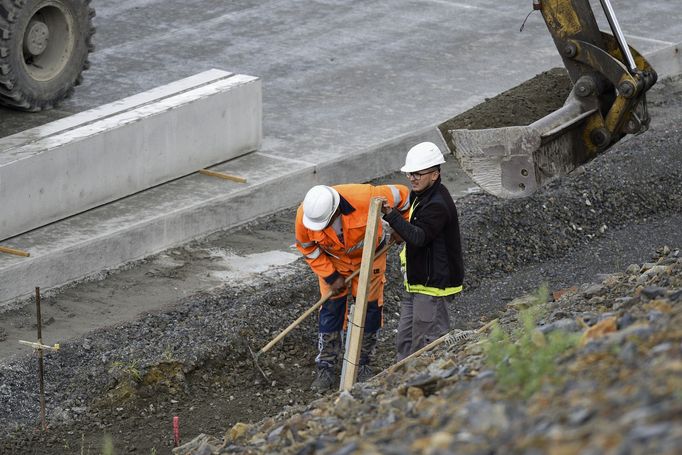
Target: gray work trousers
423, 319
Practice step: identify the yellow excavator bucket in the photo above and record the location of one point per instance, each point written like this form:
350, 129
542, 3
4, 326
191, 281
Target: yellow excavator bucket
607, 101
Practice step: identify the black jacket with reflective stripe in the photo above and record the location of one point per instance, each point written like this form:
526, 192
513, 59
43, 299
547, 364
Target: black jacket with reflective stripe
434, 248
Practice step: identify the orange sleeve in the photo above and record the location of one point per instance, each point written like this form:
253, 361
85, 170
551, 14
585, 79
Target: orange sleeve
398, 196
318, 261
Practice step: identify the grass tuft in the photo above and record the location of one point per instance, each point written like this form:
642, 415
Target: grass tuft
526, 358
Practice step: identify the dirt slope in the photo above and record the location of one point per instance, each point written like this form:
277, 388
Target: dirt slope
614, 390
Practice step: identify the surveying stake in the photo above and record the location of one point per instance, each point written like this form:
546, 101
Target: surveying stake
356, 325
40, 347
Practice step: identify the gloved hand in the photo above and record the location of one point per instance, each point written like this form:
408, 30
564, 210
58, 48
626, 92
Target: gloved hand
396, 237
393, 235
338, 285
386, 207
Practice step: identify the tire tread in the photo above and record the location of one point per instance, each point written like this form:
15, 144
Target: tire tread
12, 93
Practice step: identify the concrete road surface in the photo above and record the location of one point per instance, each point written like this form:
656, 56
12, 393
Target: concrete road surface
338, 76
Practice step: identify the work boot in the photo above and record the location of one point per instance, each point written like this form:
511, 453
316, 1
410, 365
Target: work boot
324, 380
365, 373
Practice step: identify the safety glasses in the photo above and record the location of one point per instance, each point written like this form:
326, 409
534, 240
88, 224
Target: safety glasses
418, 175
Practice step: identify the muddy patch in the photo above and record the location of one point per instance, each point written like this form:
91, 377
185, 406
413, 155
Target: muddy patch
519, 106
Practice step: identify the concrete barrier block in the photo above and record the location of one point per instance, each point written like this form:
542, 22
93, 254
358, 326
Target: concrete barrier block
126, 147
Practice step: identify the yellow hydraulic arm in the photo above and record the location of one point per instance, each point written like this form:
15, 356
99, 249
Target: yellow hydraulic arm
610, 80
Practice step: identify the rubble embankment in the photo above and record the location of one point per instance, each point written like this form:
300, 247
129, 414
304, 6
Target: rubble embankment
614, 388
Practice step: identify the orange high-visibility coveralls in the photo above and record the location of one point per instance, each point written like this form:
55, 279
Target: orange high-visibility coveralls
330, 257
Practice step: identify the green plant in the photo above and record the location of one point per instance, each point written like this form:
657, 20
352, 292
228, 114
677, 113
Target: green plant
132, 369
525, 358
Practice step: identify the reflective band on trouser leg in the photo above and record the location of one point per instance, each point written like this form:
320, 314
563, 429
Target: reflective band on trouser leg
329, 347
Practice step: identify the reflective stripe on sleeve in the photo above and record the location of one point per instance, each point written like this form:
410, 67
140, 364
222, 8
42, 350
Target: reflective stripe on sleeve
305, 244
357, 246
396, 195
315, 254
329, 253
361, 244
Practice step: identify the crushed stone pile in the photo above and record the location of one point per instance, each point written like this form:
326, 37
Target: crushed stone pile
617, 390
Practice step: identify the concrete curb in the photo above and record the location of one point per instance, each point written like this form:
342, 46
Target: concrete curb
128, 146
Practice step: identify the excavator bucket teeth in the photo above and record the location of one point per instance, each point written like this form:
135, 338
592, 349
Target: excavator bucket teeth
499, 160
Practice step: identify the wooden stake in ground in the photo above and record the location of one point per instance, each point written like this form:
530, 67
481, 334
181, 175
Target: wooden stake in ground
40, 347
356, 327
40, 361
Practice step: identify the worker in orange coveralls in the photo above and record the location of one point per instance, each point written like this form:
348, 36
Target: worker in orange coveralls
330, 232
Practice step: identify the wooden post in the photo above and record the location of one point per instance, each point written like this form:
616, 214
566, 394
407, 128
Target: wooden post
356, 327
40, 361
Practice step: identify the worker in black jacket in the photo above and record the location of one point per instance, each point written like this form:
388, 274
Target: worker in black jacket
432, 257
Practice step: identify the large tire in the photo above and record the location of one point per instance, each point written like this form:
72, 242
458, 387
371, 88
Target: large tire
44, 47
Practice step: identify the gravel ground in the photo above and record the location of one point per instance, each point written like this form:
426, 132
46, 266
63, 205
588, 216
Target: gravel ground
594, 370
192, 361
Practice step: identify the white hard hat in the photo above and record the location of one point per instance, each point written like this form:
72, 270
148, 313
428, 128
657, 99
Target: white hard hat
422, 156
319, 206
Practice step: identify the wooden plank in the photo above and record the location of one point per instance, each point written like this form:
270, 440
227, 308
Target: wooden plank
4, 249
222, 175
357, 327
